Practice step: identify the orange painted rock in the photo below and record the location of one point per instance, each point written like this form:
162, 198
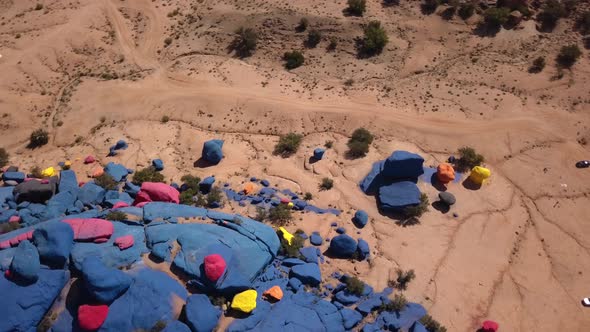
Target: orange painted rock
275, 292
445, 173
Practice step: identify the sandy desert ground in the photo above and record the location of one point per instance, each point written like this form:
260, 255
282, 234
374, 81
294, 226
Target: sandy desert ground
95, 71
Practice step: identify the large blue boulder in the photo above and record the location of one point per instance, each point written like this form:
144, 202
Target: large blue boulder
54, 240
374, 179
201, 315
402, 320
176, 326
155, 211
316, 239
372, 302
158, 164
206, 184
398, 195
418, 327
403, 165
104, 284
24, 307
151, 298
308, 273
363, 249
67, 181
59, 204
117, 171
360, 218
351, 318
310, 254
17, 177
212, 151
131, 188
343, 246
318, 153
5, 194
25, 264
91, 194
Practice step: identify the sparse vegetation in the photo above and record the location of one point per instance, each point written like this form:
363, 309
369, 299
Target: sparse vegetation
313, 38
397, 304
186, 197
403, 279
329, 144
466, 10
417, 211
495, 17
538, 65
9, 227
218, 301
116, 216
308, 196
148, 174
583, 23
355, 286
568, 55
280, 215
292, 250
4, 157
106, 182
192, 182
375, 39
215, 196
356, 7
165, 119
38, 138
432, 325
468, 158
261, 214
326, 184
333, 44
429, 6
303, 24
36, 172
293, 59
245, 42
349, 82
39, 6
552, 11
288, 145
359, 143
167, 41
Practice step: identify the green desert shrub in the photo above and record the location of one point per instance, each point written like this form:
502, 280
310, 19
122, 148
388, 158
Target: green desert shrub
357, 7
538, 65
468, 158
417, 211
466, 10
397, 304
292, 250
313, 38
288, 144
375, 38
215, 195
495, 17
568, 55
432, 325
186, 197
358, 144
245, 42
293, 59
38, 138
280, 215
404, 278
106, 181
191, 181
308, 196
552, 11
326, 184
116, 216
303, 24
148, 174
355, 286
4, 157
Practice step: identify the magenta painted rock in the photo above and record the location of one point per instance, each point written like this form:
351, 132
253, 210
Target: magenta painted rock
124, 242
214, 267
91, 317
142, 197
119, 205
89, 160
160, 192
91, 229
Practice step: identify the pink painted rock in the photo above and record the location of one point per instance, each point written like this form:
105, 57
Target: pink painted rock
91, 229
161, 192
89, 160
214, 267
5, 244
91, 317
119, 205
141, 197
14, 219
124, 242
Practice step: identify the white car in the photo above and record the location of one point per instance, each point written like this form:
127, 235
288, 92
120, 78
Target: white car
586, 301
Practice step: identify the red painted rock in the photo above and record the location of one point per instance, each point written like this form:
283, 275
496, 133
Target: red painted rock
124, 242
160, 192
89, 160
214, 267
91, 317
91, 229
119, 205
285, 200
490, 326
141, 197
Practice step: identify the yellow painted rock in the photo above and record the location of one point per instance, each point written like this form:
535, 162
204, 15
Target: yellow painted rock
245, 301
286, 235
48, 172
67, 164
290, 205
479, 174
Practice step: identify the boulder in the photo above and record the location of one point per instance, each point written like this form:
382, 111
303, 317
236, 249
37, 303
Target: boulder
316, 239
17, 177
363, 249
318, 153
490, 326
310, 254
90, 229
212, 151
214, 267
120, 145
91, 317
245, 301
25, 264
360, 219
164, 211
418, 327
403, 165
308, 273
275, 293
351, 318
89, 160
206, 184
105, 284
68, 181
399, 195
117, 171
265, 183
124, 242
343, 246
445, 173
91, 194
201, 315
176, 326
374, 179
479, 174
447, 198
48, 172
54, 241
160, 192
158, 164
340, 230
34, 191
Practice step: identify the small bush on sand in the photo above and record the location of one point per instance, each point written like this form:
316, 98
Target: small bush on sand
397, 304
418, 210
403, 279
495, 17
165, 119
326, 184
583, 22
468, 158
261, 214
432, 325
38, 138
466, 10
356, 7
167, 41
245, 42
429, 6
186, 197
38, 6
36, 172
375, 39
552, 11
116, 216
358, 144
329, 144
288, 145
333, 44
355, 286
303, 24
280, 215
568, 55
148, 174
4, 157
313, 38
292, 250
293, 59
215, 196
308, 196
191, 181
106, 181
538, 65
